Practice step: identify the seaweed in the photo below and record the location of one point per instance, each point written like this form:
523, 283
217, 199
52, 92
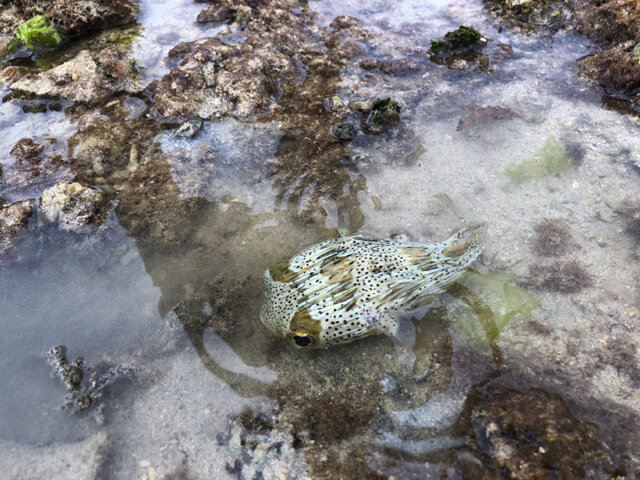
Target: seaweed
492, 301
33, 33
551, 159
463, 37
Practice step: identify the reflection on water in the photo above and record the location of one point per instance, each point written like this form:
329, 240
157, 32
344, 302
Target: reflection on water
172, 280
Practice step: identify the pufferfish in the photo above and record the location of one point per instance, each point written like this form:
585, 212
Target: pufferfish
347, 288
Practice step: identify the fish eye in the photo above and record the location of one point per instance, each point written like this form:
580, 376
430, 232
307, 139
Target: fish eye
301, 341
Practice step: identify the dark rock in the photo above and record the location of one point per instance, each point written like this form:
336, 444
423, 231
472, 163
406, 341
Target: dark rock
390, 67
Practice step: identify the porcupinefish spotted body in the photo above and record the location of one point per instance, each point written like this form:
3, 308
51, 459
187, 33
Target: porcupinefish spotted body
347, 288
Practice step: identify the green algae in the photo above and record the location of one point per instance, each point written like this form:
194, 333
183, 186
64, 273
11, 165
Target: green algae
464, 37
551, 159
636, 53
492, 301
437, 46
33, 33
124, 36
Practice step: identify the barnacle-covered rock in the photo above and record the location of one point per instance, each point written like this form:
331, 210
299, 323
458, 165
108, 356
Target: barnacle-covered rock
217, 79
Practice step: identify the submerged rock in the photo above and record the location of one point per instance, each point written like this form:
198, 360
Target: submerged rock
13, 220
72, 206
483, 115
87, 78
85, 388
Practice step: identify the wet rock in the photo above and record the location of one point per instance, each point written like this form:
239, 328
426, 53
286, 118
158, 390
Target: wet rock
483, 115
66, 461
215, 13
390, 67
88, 78
26, 149
13, 222
189, 129
244, 80
614, 25
70, 373
72, 206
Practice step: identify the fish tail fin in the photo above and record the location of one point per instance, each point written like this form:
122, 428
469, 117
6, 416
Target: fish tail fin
466, 245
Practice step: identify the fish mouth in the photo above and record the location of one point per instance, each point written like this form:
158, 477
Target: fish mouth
302, 340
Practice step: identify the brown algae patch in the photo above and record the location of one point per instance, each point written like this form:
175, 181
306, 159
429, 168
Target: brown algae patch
528, 435
325, 417
561, 276
553, 238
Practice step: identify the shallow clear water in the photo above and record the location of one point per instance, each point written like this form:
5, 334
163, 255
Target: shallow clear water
171, 281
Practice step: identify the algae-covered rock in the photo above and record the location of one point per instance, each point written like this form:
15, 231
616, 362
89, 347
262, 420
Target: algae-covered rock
458, 47
490, 302
384, 112
72, 206
551, 159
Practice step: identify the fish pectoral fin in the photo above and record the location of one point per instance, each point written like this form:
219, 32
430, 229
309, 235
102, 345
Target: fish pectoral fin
401, 330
